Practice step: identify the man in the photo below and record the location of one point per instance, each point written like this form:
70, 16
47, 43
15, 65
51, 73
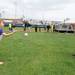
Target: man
2, 33
48, 27
24, 25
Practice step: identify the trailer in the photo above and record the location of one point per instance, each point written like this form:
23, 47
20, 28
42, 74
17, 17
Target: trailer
65, 27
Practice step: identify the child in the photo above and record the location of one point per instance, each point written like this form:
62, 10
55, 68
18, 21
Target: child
10, 27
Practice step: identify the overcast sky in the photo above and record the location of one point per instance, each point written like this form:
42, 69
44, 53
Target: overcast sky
38, 9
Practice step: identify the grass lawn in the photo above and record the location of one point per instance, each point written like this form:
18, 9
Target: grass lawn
38, 54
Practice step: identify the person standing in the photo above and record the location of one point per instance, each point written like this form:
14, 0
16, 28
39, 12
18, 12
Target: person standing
48, 27
25, 25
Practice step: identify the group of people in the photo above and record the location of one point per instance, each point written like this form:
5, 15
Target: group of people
46, 28
25, 25
2, 33
11, 30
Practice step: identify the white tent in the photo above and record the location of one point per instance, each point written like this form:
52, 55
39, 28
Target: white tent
70, 21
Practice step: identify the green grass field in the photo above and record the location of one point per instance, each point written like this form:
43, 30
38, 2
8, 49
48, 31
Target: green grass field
38, 54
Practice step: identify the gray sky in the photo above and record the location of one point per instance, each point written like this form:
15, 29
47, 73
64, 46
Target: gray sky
38, 9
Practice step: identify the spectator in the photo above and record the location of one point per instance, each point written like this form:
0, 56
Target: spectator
48, 27
25, 24
35, 28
